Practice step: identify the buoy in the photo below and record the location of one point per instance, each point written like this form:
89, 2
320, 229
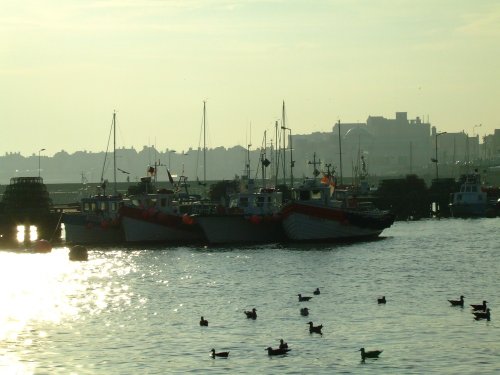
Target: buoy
78, 252
42, 246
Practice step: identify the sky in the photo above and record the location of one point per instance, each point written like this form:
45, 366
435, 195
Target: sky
67, 65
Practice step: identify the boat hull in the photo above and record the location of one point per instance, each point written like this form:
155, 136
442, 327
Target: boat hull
141, 226
225, 229
79, 230
468, 210
303, 222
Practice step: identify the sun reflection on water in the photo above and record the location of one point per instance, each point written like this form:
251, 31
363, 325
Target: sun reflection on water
39, 291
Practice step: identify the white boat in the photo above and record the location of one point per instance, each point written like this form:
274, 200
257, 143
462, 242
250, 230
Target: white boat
161, 216
252, 216
470, 200
97, 221
318, 211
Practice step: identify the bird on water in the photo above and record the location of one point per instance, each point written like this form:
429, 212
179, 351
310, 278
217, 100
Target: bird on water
479, 307
304, 311
369, 354
219, 354
278, 351
455, 302
381, 300
303, 298
315, 329
478, 315
283, 344
316, 292
203, 322
251, 314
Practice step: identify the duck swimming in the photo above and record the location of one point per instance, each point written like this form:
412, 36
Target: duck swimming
480, 307
459, 302
370, 354
303, 298
220, 354
315, 329
251, 314
278, 351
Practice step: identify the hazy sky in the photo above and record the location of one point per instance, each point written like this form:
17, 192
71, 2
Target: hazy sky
65, 65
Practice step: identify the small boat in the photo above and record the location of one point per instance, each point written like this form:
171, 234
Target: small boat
369, 354
459, 302
319, 211
470, 200
219, 354
98, 218
277, 351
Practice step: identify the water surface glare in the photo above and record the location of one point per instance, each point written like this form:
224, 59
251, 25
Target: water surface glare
129, 311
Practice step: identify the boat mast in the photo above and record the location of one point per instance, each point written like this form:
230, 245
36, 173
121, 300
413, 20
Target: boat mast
262, 158
283, 127
277, 161
204, 146
340, 155
114, 150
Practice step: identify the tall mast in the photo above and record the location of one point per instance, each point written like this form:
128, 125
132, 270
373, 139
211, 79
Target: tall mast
277, 161
283, 127
204, 146
114, 150
340, 154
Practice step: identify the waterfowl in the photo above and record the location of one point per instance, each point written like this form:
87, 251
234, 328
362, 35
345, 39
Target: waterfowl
480, 307
220, 354
251, 314
283, 344
303, 299
203, 322
316, 292
278, 351
370, 354
315, 329
482, 315
459, 302
381, 300
304, 311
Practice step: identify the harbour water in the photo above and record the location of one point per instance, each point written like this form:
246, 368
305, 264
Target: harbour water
137, 310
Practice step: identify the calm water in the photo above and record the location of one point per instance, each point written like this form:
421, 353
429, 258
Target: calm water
130, 311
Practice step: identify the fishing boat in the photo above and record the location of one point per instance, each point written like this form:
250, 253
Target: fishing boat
470, 200
252, 216
97, 220
160, 215
320, 211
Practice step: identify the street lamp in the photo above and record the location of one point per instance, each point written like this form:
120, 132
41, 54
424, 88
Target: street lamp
435, 160
39, 151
